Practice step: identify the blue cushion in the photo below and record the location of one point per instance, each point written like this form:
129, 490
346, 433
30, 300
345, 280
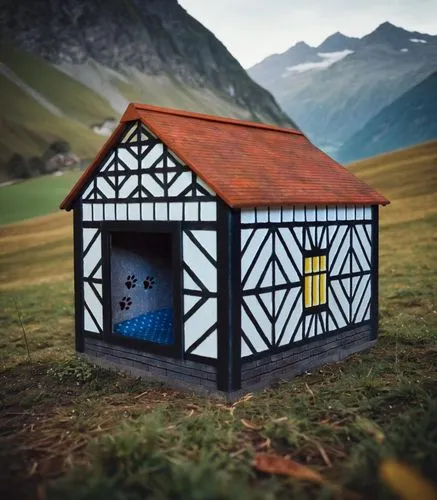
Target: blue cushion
156, 326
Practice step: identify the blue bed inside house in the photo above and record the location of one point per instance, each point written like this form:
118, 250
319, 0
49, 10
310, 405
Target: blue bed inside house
142, 286
155, 326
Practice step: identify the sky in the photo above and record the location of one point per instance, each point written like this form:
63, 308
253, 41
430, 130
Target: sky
254, 29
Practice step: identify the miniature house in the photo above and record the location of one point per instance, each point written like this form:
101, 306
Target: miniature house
221, 254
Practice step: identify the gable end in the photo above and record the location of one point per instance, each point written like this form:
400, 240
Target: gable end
139, 178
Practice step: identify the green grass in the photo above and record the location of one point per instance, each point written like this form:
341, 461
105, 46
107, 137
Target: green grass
34, 197
71, 430
70, 96
28, 128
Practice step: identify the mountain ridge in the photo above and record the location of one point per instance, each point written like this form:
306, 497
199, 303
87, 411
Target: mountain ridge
157, 37
332, 99
337, 42
113, 53
411, 119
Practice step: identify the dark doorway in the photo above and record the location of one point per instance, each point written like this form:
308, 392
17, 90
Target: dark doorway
142, 286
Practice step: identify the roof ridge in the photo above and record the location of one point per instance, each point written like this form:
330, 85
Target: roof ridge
214, 118
236, 165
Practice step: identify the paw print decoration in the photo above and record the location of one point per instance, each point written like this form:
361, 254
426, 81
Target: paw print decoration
131, 281
125, 303
148, 283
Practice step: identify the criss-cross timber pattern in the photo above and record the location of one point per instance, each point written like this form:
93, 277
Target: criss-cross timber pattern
140, 179
272, 273
200, 292
92, 280
199, 261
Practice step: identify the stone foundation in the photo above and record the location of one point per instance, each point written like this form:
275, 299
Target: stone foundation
183, 374
255, 375
287, 364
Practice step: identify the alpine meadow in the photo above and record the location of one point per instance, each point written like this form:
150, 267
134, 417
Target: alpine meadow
198, 300
71, 430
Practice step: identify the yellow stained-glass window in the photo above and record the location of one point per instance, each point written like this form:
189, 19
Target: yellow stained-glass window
315, 280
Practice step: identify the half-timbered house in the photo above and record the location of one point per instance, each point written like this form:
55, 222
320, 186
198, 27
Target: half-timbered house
221, 254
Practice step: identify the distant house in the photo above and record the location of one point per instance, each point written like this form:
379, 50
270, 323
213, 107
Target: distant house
61, 160
221, 254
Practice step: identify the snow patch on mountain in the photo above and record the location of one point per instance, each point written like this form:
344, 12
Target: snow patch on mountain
328, 59
417, 40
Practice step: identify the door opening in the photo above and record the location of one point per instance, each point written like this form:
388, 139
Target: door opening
142, 286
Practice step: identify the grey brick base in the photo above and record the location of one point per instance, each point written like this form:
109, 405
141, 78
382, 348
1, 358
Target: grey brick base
287, 364
180, 373
255, 375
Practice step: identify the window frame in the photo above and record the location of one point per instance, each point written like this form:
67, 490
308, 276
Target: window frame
309, 309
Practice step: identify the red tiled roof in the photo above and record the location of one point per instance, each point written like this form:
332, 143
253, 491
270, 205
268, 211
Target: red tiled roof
247, 164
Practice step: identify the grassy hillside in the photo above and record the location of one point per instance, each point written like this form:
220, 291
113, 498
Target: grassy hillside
408, 177
73, 98
27, 127
85, 105
40, 103
101, 434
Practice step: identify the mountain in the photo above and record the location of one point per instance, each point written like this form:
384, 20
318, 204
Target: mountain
332, 99
68, 67
338, 42
300, 58
409, 120
274, 66
397, 38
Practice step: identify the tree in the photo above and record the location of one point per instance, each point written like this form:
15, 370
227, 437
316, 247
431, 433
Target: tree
60, 146
55, 148
36, 166
17, 167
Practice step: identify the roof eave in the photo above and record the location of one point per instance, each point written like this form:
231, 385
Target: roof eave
291, 202
132, 114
